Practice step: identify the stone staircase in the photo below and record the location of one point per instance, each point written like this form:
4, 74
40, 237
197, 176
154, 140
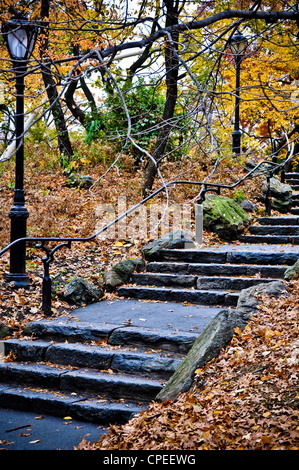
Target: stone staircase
105, 370
86, 371
213, 276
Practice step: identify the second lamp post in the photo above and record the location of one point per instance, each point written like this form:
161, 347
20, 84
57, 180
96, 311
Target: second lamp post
238, 44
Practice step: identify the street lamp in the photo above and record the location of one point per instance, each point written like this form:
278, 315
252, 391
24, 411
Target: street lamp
20, 37
238, 44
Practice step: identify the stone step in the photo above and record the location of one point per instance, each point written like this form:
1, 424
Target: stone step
242, 255
112, 358
199, 282
279, 220
295, 210
195, 296
115, 335
217, 269
230, 283
295, 186
270, 239
77, 380
274, 230
292, 180
290, 174
77, 406
295, 202
164, 279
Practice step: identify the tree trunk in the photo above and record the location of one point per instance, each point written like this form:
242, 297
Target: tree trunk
64, 143
172, 66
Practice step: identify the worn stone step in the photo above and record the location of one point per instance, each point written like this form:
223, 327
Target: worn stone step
242, 254
200, 282
270, 239
295, 202
77, 406
95, 357
292, 180
295, 210
290, 174
295, 186
219, 269
288, 230
179, 342
164, 279
104, 384
278, 220
232, 283
195, 296
114, 335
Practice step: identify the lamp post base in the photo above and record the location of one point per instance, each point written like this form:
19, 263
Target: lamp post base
236, 137
18, 279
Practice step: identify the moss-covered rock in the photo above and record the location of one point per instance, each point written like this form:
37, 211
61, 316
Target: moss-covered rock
79, 181
224, 217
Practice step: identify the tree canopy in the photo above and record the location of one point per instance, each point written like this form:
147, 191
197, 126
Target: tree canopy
157, 79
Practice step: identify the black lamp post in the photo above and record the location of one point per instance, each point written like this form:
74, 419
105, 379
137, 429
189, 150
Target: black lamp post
238, 44
20, 37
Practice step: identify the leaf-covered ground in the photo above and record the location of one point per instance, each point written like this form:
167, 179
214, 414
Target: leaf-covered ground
246, 399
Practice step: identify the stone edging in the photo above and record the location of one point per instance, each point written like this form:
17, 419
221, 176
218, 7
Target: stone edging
216, 336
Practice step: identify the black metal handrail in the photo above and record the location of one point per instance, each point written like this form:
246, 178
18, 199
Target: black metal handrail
67, 241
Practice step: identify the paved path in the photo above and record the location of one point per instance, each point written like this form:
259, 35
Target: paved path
20, 430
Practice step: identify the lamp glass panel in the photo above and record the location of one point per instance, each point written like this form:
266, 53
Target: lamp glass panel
238, 45
17, 41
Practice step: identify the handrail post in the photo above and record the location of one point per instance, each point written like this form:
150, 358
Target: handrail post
198, 209
47, 289
268, 197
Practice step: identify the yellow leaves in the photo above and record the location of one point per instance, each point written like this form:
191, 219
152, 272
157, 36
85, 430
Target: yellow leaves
238, 330
269, 333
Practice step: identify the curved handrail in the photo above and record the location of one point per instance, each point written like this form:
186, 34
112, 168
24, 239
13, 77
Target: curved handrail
66, 241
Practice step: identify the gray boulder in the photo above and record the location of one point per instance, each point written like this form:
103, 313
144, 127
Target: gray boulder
5, 331
281, 194
248, 299
292, 272
248, 206
224, 217
79, 291
121, 273
175, 239
216, 336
